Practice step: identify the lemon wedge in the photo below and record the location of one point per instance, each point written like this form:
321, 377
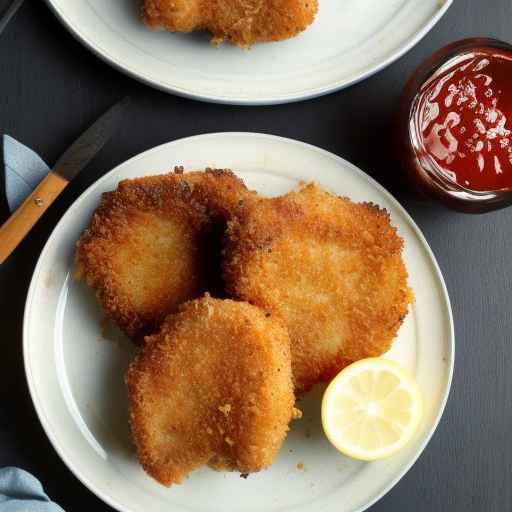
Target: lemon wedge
371, 409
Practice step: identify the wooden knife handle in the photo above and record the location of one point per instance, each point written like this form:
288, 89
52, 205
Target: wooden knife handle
22, 220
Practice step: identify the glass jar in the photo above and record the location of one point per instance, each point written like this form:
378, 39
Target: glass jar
454, 133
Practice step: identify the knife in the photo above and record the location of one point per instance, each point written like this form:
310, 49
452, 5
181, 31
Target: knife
8, 13
79, 154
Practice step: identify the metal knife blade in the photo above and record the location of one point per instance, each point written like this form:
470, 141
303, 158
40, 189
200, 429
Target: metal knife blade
85, 148
8, 12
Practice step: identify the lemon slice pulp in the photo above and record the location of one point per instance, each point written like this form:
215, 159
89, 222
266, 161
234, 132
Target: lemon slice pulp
371, 409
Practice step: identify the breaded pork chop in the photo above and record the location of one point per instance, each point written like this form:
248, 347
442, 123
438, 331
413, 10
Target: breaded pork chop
331, 268
146, 249
242, 22
214, 386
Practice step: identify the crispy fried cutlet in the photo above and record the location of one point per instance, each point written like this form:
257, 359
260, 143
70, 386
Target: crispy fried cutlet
242, 22
214, 386
331, 268
147, 248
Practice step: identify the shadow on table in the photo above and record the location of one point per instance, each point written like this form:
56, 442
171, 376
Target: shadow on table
4, 210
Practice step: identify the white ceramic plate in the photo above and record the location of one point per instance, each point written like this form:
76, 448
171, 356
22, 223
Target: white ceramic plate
349, 41
75, 369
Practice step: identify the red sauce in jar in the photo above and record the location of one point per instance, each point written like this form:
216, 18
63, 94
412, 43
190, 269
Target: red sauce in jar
462, 120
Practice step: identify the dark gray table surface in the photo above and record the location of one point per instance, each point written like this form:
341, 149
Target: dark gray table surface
52, 88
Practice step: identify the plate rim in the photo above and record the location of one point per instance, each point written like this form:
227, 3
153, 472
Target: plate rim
111, 501
336, 86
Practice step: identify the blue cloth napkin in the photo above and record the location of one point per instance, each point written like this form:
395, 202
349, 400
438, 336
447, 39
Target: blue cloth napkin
21, 492
23, 171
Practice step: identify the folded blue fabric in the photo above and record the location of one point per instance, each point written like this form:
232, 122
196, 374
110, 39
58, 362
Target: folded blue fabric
21, 492
24, 170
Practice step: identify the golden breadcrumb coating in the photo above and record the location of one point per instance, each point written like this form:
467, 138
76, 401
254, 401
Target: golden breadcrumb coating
242, 22
147, 248
214, 386
331, 268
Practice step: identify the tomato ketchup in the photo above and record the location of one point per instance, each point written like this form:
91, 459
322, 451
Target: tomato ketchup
464, 119
457, 110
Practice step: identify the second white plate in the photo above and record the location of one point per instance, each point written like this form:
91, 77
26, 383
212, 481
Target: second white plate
349, 41
75, 369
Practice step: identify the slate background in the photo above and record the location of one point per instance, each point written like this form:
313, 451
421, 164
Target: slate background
52, 89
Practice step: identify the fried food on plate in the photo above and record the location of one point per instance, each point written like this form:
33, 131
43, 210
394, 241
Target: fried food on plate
146, 249
223, 193
331, 268
214, 386
242, 22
